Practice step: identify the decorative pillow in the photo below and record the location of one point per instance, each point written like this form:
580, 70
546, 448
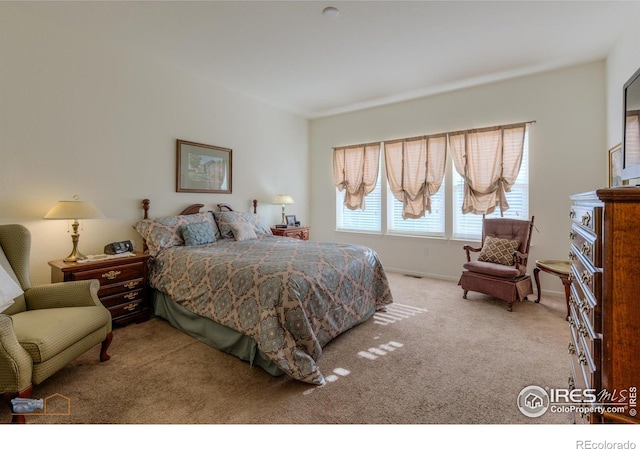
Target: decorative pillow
243, 230
161, 233
198, 234
226, 218
9, 290
498, 250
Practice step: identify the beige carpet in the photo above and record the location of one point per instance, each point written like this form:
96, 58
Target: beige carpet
433, 358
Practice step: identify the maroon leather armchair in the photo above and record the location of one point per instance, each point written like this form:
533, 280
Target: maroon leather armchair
501, 266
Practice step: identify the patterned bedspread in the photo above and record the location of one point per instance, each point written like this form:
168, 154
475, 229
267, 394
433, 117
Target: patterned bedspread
291, 296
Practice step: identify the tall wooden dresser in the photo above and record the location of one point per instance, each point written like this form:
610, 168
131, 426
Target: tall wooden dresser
605, 301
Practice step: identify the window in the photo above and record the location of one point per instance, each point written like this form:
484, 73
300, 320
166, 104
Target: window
367, 220
436, 224
432, 225
469, 226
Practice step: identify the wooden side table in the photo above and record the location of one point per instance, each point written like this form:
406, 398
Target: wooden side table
296, 232
123, 284
559, 268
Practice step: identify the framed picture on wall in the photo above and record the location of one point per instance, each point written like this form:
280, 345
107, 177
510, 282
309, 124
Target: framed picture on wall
615, 166
202, 168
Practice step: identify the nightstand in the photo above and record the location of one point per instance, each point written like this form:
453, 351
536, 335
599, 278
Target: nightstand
123, 284
296, 232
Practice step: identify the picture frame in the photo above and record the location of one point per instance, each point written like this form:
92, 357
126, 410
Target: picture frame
615, 166
202, 168
291, 220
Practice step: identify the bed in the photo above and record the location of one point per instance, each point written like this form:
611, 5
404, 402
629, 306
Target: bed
222, 277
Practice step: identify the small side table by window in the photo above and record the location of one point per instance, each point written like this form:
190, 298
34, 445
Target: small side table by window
296, 232
559, 268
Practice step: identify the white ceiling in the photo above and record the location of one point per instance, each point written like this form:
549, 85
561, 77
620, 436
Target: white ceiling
287, 54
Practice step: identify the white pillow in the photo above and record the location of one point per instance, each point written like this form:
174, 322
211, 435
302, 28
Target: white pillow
9, 290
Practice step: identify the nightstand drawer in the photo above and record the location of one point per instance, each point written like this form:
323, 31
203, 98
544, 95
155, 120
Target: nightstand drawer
121, 310
112, 275
122, 298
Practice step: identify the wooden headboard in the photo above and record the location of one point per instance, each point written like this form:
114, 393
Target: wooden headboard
195, 208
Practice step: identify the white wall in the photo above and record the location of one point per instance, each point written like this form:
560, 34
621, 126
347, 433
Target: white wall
566, 156
81, 117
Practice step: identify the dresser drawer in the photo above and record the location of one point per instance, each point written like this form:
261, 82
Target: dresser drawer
585, 243
113, 275
589, 278
587, 217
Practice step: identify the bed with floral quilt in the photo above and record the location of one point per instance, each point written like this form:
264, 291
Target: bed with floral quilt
273, 301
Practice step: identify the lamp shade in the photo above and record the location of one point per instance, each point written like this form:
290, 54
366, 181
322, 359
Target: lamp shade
73, 210
283, 199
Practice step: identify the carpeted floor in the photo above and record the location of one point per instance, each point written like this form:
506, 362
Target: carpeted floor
433, 358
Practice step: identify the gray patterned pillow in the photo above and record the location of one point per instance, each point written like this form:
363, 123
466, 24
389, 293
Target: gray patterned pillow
198, 234
226, 218
161, 233
243, 230
498, 250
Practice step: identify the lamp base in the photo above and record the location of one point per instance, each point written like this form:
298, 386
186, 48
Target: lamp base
75, 254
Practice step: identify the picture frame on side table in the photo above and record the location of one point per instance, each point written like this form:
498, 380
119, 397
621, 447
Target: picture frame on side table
291, 220
202, 168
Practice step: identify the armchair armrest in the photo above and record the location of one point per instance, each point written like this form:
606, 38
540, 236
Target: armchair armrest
520, 258
470, 249
63, 294
16, 364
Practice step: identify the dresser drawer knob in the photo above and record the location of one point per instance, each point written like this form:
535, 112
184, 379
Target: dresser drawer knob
572, 214
111, 274
131, 295
572, 235
131, 284
582, 357
130, 307
583, 330
571, 348
572, 383
571, 255
585, 249
586, 219
585, 277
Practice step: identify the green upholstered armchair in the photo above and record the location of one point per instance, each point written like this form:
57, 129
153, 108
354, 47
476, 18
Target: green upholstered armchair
48, 326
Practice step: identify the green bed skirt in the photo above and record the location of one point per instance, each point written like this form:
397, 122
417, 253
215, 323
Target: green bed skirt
214, 334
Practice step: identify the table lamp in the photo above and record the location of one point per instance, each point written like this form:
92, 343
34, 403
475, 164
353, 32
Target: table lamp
74, 210
283, 199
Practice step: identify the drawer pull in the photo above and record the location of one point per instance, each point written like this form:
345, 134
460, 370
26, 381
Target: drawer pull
571, 255
583, 358
586, 219
571, 348
572, 235
572, 214
131, 284
585, 249
572, 383
583, 330
112, 274
130, 307
585, 277
131, 295
586, 308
